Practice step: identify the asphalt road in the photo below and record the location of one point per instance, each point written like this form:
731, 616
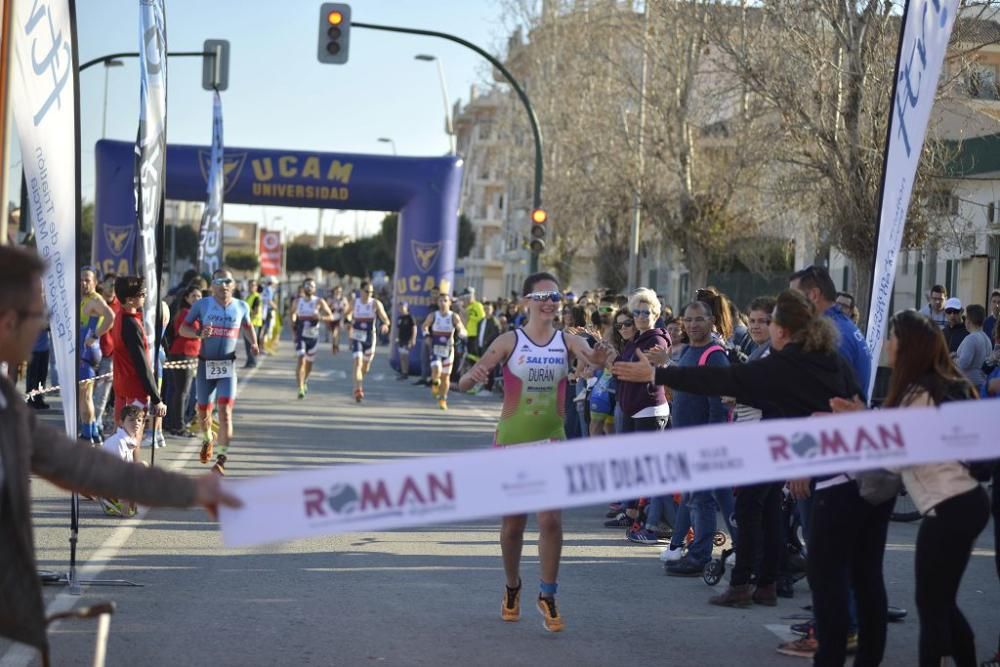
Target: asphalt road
427, 596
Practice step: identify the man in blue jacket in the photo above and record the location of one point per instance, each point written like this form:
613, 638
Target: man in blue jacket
815, 282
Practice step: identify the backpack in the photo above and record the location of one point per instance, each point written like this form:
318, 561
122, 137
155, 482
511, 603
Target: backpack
733, 354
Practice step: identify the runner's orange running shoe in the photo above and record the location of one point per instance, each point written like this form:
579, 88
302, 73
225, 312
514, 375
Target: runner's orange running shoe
510, 609
206, 451
552, 621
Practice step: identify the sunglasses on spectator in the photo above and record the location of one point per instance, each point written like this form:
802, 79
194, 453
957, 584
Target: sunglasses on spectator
637, 312
223, 281
554, 297
605, 309
624, 323
952, 311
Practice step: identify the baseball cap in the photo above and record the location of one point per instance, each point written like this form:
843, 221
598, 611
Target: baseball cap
468, 291
953, 304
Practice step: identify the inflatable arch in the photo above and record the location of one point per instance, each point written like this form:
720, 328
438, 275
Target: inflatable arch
424, 190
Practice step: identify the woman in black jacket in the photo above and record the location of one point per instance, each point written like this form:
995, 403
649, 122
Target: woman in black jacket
847, 536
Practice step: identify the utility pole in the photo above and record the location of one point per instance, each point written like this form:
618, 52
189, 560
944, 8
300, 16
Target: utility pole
633, 247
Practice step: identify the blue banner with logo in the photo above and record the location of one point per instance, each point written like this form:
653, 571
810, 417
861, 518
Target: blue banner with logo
424, 190
210, 235
150, 153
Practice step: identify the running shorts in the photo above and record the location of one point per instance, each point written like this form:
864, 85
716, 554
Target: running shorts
306, 347
221, 389
363, 348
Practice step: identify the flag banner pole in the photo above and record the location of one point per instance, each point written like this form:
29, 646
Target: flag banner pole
210, 257
923, 42
150, 163
44, 85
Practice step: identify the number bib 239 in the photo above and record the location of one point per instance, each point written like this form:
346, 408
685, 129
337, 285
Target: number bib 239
218, 370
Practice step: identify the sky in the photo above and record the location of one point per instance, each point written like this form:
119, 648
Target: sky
279, 95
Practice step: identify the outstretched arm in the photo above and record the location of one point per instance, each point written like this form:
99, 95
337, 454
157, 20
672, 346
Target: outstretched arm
498, 351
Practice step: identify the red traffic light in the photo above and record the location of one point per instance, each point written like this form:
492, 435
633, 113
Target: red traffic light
539, 216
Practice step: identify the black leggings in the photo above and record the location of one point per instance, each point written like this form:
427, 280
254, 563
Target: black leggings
944, 545
846, 548
758, 515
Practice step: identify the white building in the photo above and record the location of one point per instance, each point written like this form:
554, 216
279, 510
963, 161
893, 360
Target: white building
484, 193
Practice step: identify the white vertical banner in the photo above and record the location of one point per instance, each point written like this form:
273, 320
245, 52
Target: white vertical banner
923, 42
43, 94
150, 151
210, 234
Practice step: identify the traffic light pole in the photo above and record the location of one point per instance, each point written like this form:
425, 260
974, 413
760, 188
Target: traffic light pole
135, 54
537, 198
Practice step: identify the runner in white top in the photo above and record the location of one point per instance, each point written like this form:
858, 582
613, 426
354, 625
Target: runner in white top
439, 330
362, 314
309, 312
338, 305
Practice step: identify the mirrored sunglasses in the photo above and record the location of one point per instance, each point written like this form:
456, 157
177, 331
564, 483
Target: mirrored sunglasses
554, 297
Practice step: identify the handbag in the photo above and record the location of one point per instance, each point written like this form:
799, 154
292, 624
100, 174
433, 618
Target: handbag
878, 486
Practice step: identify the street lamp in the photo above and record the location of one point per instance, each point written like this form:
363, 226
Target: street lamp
444, 94
387, 140
108, 64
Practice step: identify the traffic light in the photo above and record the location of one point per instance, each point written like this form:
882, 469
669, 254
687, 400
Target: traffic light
334, 32
539, 218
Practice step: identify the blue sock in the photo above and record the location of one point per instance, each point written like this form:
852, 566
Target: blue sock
85, 431
95, 429
547, 590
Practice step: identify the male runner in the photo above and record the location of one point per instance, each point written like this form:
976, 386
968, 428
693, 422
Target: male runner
439, 330
221, 319
309, 311
338, 305
362, 314
96, 319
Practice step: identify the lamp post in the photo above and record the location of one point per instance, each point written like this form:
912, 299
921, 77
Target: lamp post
108, 64
387, 140
444, 94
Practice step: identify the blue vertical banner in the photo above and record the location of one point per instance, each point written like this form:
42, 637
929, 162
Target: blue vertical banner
150, 155
210, 235
923, 41
46, 109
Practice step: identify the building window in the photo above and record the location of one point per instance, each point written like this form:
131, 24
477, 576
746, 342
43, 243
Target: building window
991, 212
943, 202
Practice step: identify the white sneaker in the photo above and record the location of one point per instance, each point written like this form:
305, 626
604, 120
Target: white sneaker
671, 554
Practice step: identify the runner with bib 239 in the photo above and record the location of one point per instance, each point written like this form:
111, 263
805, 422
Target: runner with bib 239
218, 320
